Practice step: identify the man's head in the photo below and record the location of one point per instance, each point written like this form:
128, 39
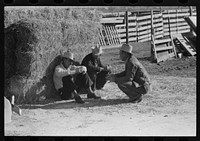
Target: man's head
67, 58
125, 52
96, 51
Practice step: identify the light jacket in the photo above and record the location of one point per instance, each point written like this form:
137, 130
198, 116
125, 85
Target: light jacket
60, 71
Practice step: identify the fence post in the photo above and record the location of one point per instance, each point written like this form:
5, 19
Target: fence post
152, 36
126, 27
191, 11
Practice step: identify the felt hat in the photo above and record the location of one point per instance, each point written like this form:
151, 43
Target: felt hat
96, 50
127, 48
68, 55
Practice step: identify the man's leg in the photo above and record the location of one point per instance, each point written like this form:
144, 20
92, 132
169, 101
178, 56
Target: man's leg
84, 81
69, 89
133, 92
101, 79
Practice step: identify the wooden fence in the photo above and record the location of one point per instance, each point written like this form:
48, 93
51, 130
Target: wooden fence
140, 23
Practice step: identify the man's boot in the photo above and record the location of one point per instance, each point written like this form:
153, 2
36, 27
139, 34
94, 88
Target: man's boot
77, 98
91, 94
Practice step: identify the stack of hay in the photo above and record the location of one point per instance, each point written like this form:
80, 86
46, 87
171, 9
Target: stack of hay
32, 50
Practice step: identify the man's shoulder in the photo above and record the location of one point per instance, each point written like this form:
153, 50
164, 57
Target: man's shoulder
88, 57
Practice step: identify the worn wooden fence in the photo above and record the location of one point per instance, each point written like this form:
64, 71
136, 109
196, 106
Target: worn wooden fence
140, 24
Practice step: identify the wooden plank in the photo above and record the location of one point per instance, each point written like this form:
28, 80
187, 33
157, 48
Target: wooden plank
111, 21
154, 54
129, 39
183, 27
162, 41
131, 18
165, 57
124, 25
117, 34
102, 37
183, 14
164, 48
165, 21
157, 15
174, 25
144, 40
109, 35
144, 32
124, 30
130, 34
183, 31
144, 36
143, 17
187, 47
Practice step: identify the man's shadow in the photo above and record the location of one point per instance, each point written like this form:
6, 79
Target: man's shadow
68, 104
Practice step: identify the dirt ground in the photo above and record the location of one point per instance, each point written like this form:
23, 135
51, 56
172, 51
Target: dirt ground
168, 110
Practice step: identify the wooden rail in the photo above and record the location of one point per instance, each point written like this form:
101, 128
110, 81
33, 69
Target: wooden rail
139, 25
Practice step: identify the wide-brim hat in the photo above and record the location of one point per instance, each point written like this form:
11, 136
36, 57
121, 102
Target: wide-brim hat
127, 48
68, 55
97, 50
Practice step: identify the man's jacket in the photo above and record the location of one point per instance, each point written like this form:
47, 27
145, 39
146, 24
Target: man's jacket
93, 65
134, 72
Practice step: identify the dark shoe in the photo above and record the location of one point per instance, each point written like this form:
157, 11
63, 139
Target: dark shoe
137, 100
79, 100
93, 96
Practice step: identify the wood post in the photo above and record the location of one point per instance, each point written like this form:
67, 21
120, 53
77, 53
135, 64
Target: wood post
126, 26
191, 11
153, 53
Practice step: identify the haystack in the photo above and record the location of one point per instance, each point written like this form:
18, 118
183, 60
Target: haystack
33, 45
30, 46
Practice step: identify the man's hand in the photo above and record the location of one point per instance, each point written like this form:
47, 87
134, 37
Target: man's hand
107, 68
111, 78
82, 69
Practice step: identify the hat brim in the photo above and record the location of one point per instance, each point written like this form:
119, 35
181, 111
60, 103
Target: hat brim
69, 58
98, 53
126, 51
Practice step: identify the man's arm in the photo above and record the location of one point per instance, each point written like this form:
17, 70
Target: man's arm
93, 67
61, 72
130, 73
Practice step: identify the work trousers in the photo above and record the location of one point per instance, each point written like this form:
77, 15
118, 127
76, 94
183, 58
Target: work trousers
71, 83
99, 79
133, 92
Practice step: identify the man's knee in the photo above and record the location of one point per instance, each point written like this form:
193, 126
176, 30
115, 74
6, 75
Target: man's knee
67, 78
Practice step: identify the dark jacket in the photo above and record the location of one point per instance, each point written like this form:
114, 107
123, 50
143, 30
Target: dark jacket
134, 71
93, 65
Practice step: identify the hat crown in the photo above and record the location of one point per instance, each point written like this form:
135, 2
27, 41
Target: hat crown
97, 50
127, 48
68, 55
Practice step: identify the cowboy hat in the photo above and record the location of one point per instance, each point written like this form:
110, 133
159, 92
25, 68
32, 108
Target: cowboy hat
68, 55
127, 48
97, 50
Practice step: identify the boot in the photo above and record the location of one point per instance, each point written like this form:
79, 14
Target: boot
137, 100
79, 100
91, 94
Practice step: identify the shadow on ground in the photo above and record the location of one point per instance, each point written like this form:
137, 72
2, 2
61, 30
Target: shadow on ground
68, 104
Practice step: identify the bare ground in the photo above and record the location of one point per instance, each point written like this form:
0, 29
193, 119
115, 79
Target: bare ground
168, 110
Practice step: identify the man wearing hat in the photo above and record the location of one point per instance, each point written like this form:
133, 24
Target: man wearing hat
65, 81
134, 81
96, 70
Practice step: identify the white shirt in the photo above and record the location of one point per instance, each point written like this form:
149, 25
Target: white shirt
60, 71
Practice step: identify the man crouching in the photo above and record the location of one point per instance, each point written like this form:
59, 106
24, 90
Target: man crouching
134, 81
70, 79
